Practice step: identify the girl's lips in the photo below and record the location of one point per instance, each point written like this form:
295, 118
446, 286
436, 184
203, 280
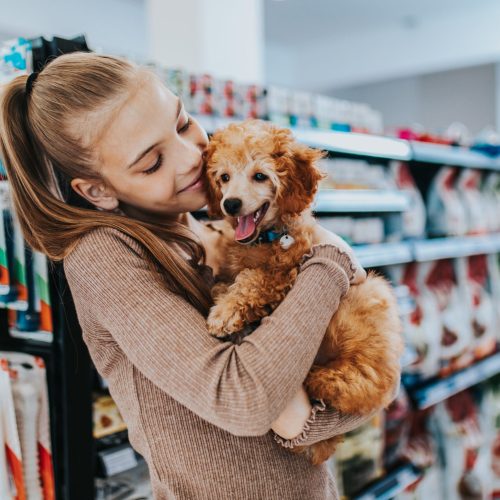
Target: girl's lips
197, 183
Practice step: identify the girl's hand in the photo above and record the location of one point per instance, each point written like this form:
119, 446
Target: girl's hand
291, 421
322, 236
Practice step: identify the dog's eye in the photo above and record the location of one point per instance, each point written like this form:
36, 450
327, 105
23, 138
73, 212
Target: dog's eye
260, 177
224, 178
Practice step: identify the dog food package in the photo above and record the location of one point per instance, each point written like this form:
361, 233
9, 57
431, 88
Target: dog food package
15, 59
253, 100
439, 279
107, 418
420, 449
227, 100
422, 327
472, 275
490, 195
414, 218
359, 459
468, 184
201, 94
494, 286
446, 214
464, 448
29, 386
13, 478
42, 293
491, 419
397, 428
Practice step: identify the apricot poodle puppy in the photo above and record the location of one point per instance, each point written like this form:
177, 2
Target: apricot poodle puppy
262, 182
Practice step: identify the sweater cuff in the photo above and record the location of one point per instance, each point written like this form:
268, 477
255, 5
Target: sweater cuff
323, 423
330, 253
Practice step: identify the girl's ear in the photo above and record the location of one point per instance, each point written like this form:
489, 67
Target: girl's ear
300, 177
96, 192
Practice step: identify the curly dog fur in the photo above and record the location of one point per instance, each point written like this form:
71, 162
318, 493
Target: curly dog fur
357, 365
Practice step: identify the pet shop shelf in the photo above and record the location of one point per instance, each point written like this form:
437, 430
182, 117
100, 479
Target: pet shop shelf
360, 200
391, 484
454, 247
451, 155
384, 254
439, 390
373, 146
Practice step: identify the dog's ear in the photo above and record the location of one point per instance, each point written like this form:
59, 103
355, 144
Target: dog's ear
300, 177
214, 196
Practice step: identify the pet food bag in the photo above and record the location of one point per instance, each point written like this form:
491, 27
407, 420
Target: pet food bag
422, 327
414, 217
491, 417
464, 449
472, 275
446, 215
359, 459
421, 451
439, 279
468, 184
13, 481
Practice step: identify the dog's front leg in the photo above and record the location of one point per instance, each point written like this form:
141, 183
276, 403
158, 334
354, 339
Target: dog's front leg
252, 296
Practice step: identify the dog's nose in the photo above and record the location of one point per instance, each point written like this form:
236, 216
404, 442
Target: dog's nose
232, 205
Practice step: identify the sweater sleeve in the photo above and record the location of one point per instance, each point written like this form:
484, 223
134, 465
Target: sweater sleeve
239, 388
324, 423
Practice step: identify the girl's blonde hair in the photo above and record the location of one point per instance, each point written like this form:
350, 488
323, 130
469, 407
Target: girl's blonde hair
43, 148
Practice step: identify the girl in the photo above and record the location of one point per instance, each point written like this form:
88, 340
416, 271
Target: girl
105, 166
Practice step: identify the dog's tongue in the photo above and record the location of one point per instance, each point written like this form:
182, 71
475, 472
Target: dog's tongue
245, 227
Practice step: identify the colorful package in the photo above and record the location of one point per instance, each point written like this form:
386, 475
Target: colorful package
468, 184
446, 214
464, 450
439, 278
414, 218
422, 328
359, 459
472, 275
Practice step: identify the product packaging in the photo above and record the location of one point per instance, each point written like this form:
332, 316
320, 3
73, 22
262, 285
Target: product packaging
446, 214
468, 184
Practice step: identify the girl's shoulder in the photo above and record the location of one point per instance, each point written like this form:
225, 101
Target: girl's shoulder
103, 244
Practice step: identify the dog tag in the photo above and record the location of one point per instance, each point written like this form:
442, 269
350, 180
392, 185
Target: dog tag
286, 241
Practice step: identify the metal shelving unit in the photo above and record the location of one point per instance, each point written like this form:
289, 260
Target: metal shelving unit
434, 392
453, 247
360, 201
391, 484
374, 146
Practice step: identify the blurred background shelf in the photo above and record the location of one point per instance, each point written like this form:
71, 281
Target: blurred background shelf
373, 146
360, 200
392, 484
384, 254
453, 247
451, 155
439, 390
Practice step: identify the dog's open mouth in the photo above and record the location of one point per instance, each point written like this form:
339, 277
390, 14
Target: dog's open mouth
247, 225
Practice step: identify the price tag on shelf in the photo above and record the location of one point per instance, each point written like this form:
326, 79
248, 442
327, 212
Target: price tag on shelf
119, 459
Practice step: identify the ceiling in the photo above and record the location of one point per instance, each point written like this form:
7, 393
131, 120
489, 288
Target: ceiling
289, 21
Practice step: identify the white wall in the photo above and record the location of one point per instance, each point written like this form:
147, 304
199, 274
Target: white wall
435, 100
115, 26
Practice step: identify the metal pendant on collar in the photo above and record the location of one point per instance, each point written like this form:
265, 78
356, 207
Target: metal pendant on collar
286, 241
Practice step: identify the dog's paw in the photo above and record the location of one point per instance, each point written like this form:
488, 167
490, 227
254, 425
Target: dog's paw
222, 322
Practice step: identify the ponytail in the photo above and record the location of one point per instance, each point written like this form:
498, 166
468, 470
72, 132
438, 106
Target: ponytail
41, 158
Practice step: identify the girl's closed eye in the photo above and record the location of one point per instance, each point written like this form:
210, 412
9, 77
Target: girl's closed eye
186, 125
155, 167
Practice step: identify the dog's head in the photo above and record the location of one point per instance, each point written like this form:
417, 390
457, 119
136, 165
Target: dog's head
257, 175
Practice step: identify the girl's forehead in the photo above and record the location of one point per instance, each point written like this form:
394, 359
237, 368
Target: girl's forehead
139, 122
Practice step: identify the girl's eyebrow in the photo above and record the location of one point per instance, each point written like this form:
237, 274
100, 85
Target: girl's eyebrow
147, 150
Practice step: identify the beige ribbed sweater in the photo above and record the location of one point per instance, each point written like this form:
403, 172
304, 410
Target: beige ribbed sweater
199, 409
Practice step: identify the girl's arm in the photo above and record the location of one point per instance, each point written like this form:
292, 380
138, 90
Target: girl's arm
240, 388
